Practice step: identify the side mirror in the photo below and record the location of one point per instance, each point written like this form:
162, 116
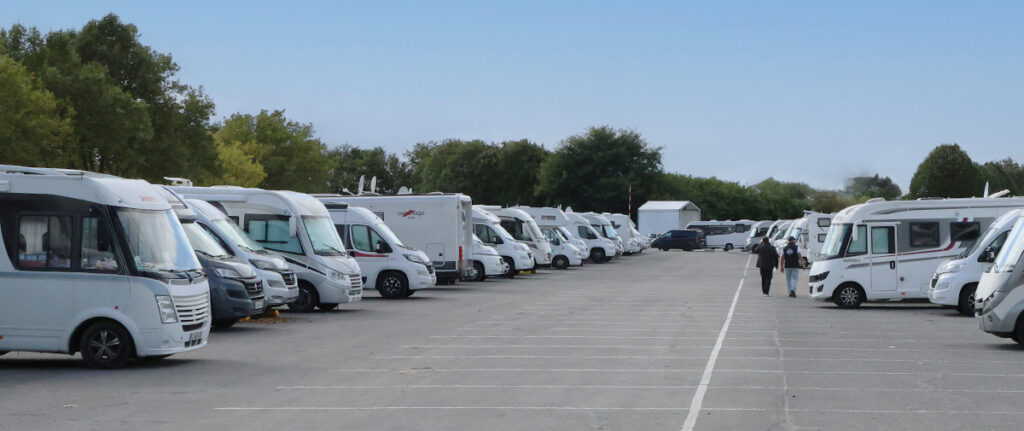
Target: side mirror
382, 247
989, 256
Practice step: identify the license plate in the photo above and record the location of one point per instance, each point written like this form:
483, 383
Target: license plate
193, 336
258, 304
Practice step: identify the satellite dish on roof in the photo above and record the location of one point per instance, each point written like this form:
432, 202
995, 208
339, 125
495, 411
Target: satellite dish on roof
175, 181
362, 181
404, 190
373, 185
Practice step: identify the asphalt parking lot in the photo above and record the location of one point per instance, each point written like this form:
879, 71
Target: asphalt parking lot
647, 342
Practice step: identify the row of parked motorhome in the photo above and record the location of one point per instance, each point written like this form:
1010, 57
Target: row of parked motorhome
117, 268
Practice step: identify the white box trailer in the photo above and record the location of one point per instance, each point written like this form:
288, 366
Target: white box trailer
439, 224
658, 217
889, 250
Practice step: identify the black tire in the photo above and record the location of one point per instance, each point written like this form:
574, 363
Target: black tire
597, 255
966, 304
687, 248
728, 247
323, 306
1018, 331
664, 249
224, 323
409, 293
106, 345
392, 285
848, 296
308, 299
511, 273
560, 262
480, 273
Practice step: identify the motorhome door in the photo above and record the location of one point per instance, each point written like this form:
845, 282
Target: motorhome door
884, 259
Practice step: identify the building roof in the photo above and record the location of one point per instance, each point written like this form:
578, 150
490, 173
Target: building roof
669, 206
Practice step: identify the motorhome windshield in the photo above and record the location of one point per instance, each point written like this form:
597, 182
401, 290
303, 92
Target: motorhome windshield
843, 241
323, 236
552, 236
518, 228
1012, 249
565, 232
203, 243
238, 236
795, 233
156, 241
759, 232
986, 238
388, 235
606, 230
834, 240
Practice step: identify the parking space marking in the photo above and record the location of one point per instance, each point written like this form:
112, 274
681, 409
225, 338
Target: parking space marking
566, 346
941, 412
705, 379
533, 357
652, 409
631, 387
588, 337
515, 370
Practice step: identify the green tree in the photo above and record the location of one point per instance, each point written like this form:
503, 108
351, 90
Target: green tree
782, 200
237, 166
717, 199
593, 171
873, 187
1004, 174
348, 163
290, 153
518, 168
32, 130
947, 172
454, 165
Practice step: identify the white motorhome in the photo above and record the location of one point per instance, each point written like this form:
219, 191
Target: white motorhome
725, 235
624, 227
1000, 298
279, 282
387, 264
758, 231
439, 224
565, 253
297, 227
889, 250
810, 232
524, 229
605, 228
955, 281
601, 249
486, 262
488, 228
557, 219
98, 265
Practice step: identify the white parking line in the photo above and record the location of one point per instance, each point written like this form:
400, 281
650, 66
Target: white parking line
589, 337
940, 412
547, 346
515, 370
705, 379
651, 409
541, 357
632, 387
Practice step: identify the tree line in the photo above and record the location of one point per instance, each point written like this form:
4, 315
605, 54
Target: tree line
98, 99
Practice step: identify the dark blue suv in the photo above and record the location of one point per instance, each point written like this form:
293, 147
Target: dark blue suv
685, 239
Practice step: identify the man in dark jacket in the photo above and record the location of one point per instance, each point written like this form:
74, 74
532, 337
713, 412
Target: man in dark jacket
767, 261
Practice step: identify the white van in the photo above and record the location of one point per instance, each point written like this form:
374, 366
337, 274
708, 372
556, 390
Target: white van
96, 264
557, 219
757, 231
725, 235
565, 253
600, 249
279, 282
810, 232
387, 264
524, 229
956, 279
486, 262
439, 224
488, 228
624, 227
297, 227
1000, 298
889, 250
605, 228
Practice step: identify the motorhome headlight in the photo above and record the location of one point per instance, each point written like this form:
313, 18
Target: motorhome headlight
337, 277
263, 264
951, 267
522, 247
226, 273
414, 258
165, 306
818, 277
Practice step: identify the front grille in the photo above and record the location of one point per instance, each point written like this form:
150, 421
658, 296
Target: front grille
357, 284
195, 342
255, 288
191, 327
935, 280
289, 277
430, 269
192, 309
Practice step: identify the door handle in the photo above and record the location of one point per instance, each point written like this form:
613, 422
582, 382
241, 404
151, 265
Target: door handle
892, 264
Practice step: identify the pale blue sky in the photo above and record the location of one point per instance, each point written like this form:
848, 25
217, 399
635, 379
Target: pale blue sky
810, 91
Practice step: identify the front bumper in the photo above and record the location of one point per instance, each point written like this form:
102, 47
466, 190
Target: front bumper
941, 290
523, 260
333, 292
423, 279
170, 339
279, 292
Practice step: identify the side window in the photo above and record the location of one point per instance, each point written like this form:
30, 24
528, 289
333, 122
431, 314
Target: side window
924, 234
741, 228
858, 245
272, 233
97, 252
583, 232
964, 231
343, 234
883, 240
668, 234
44, 242
824, 222
822, 236
995, 246
361, 238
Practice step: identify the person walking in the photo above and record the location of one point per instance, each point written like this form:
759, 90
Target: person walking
791, 263
767, 260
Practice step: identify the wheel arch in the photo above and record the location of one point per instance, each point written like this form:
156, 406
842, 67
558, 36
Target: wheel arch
75, 336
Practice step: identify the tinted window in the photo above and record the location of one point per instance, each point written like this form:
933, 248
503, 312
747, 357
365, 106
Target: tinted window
858, 245
486, 234
97, 246
964, 231
924, 234
824, 222
44, 242
272, 233
720, 230
740, 228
